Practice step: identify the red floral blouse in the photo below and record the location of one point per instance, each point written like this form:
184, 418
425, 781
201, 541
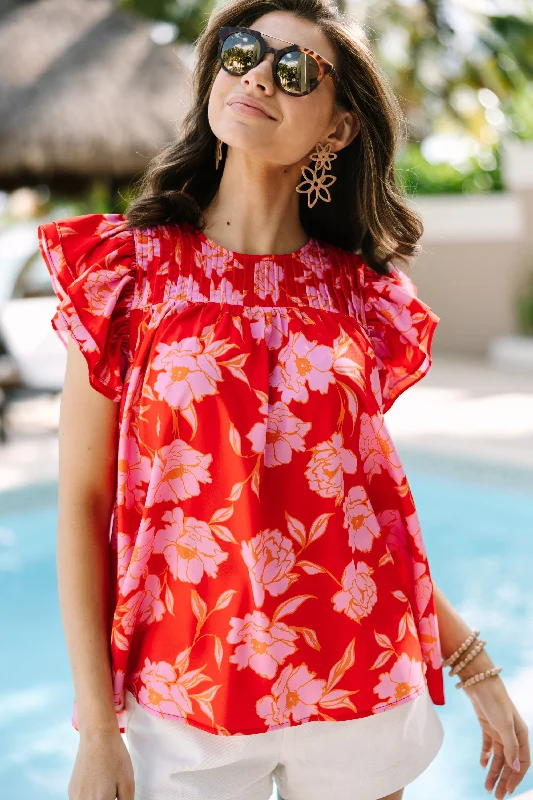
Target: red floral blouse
268, 566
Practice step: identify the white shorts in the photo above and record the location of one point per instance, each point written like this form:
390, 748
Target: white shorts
359, 759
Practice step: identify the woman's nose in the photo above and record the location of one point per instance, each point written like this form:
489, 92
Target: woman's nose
261, 74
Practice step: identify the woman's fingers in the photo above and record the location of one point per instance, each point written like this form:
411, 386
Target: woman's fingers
524, 757
486, 748
497, 764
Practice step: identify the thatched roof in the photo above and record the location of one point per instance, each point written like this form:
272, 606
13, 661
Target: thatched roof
85, 90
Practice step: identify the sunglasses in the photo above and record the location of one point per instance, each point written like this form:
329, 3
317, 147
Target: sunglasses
296, 70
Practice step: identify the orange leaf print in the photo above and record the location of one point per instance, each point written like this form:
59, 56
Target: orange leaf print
182, 660
223, 533
310, 568
318, 528
198, 606
385, 558
194, 677
169, 600
225, 599
383, 640
290, 606
338, 699
338, 669
309, 635
296, 529
382, 659
236, 491
219, 652
256, 478
121, 642
235, 439
399, 595
221, 515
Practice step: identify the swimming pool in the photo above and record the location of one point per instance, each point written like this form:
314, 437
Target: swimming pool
477, 524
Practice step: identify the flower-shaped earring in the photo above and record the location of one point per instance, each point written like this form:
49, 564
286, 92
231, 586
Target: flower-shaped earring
316, 185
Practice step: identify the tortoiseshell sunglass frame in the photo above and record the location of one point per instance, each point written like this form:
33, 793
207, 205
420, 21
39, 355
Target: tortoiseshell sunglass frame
325, 66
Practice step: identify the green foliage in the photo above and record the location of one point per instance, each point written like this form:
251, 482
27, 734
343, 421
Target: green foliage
524, 307
189, 16
418, 176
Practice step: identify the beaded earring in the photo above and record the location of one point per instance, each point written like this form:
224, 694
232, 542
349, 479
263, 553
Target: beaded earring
314, 183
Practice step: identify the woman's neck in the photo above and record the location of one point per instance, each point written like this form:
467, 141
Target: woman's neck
256, 209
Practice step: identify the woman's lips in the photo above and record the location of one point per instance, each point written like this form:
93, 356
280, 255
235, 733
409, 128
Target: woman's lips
248, 111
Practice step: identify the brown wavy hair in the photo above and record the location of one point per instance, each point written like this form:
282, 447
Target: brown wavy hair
368, 212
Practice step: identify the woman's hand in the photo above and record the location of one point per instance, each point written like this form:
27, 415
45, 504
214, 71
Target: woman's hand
505, 735
103, 769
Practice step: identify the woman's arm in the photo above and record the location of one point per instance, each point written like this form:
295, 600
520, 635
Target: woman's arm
87, 461
453, 631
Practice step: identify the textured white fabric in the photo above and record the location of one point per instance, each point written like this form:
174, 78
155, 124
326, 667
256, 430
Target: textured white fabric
359, 759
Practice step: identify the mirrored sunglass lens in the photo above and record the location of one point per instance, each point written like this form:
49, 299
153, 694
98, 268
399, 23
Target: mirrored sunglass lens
240, 51
298, 72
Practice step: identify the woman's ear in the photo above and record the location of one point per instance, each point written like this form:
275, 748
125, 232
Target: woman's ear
348, 127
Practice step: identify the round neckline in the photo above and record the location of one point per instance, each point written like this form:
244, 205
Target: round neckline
242, 256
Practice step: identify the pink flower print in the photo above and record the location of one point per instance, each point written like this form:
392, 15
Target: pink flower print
189, 547
188, 375
326, 468
102, 287
142, 550
358, 595
264, 645
257, 436
160, 310
375, 384
225, 293
398, 314
269, 557
124, 552
316, 262
319, 296
147, 248
415, 532
215, 259
428, 634
272, 325
404, 679
285, 433
162, 692
423, 587
301, 364
143, 607
360, 520
267, 276
177, 472
133, 471
69, 321
377, 449
295, 695
186, 288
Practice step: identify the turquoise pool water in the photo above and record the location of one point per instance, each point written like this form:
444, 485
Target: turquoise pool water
477, 527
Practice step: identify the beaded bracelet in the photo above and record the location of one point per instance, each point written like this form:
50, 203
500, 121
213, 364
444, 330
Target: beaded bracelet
489, 673
466, 644
451, 661
472, 654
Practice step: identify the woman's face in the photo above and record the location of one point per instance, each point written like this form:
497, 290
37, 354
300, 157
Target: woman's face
298, 122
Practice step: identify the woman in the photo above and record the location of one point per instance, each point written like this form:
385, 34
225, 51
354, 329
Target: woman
267, 606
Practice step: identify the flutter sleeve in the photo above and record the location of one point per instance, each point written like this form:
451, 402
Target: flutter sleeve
91, 261
400, 326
